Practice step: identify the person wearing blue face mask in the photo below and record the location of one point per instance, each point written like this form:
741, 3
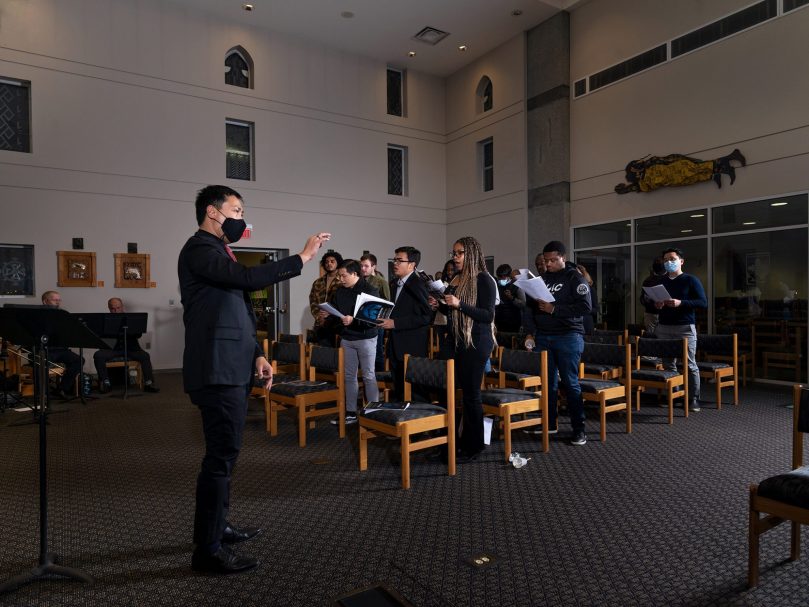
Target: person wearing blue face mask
508, 312
677, 315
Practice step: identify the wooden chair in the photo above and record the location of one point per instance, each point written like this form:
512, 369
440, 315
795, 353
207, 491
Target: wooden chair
507, 402
324, 384
790, 357
288, 364
674, 384
406, 422
724, 374
784, 497
605, 336
513, 372
610, 395
118, 363
290, 338
744, 351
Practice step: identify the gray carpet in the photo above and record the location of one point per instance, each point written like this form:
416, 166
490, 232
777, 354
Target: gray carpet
657, 517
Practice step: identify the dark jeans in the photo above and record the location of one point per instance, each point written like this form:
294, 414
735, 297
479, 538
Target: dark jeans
223, 410
469, 369
379, 364
564, 355
72, 362
102, 357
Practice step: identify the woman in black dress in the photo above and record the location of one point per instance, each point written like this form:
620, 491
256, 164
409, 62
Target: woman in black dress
469, 305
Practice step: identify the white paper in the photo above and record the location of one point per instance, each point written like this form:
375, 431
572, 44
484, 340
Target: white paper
330, 309
488, 422
364, 298
535, 288
382, 408
525, 274
657, 293
436, 286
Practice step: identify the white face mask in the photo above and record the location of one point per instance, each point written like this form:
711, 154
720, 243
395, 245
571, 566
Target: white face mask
672, 265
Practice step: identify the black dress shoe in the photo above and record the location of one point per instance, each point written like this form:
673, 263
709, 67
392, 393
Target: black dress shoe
222, 561
59, 394
234, 535
151, 388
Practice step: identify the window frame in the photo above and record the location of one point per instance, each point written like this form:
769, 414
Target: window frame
404, 151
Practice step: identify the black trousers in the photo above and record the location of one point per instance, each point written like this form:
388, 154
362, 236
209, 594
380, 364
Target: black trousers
223, 410
72, 363
469, 368
101, 357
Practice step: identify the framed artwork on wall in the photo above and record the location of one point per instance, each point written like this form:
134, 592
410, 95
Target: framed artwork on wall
76, 269
16, 270
132, 270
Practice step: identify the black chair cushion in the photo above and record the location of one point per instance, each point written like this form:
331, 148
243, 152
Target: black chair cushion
711, 366
392, 417
596, 368
278, 378
592, 386
520, 362
715, 344
516, 376
325, 358
653, 374
663, 348
296, 388
386, 376
498, 396
427, 372
286, 353
650, 361
791, 488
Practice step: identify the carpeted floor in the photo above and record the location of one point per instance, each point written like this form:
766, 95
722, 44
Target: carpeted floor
658, 517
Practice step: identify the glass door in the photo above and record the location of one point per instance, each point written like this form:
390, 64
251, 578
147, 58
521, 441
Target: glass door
270, 305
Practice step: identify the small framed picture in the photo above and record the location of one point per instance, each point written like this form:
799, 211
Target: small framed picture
76, 269
132, 270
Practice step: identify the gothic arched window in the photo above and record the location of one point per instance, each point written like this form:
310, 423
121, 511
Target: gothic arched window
484, 95
239, 68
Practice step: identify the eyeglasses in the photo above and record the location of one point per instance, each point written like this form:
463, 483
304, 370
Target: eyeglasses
457, 253
398, 260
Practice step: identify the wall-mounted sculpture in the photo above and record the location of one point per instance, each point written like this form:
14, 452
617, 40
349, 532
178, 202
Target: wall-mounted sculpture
653, 172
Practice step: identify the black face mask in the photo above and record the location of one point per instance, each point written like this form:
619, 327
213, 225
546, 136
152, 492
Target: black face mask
233, 229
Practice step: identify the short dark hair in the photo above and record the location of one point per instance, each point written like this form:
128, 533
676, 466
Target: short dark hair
674, 250
334, 254
503, 270
657, 266
555, 246
369, 257
212, 195
352, 266
413, 254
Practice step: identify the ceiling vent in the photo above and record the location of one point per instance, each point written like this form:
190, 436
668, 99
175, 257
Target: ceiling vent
431, 36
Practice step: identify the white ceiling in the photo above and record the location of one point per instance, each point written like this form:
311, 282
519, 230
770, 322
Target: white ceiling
383, 29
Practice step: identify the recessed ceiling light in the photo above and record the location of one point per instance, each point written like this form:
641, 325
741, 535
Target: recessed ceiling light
778, 204
247, 7
347, 15
629, 225
411, 54
685, 231
748, 223
698, 215
462, 48
516, 12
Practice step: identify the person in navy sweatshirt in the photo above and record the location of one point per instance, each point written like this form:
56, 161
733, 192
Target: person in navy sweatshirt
677, 318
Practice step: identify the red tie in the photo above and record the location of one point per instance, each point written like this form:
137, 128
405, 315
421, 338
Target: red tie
230, 253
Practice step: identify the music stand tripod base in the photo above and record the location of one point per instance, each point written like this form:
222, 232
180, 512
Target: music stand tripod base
46, 567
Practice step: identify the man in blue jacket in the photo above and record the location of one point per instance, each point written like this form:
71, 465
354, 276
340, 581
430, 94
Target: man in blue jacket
221, 356
677, 318
559, 329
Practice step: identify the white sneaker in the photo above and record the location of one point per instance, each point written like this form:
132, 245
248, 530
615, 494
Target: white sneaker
350, 419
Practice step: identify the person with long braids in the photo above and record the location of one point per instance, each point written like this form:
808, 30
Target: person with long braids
469, 305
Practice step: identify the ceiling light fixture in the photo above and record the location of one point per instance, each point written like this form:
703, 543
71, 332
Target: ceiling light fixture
748, 223
685, 231
347, 15
247, 7
695, 215
462, 48
778, 204
411, 54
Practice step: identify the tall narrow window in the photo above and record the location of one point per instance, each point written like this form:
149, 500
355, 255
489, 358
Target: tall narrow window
485, 102
396, 79
239, 68
15, 115
486, 159
397, 170
239, 150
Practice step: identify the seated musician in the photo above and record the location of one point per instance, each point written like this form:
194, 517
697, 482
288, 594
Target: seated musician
65, 357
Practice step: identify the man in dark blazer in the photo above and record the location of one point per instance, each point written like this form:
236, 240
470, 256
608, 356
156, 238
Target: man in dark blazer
410, 319
221, 356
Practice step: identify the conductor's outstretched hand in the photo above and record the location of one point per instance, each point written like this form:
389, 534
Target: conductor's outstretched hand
313, 243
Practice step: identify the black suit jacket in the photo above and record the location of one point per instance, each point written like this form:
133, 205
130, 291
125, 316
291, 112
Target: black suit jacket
411, 318
220, 328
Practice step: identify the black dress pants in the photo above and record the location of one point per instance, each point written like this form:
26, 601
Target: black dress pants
223, 410
101, 357
72, 362
469, 368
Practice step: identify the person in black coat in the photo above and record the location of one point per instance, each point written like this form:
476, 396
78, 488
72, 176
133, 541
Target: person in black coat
220, 358
469, 304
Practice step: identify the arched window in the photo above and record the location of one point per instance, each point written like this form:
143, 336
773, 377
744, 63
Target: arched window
239, 68
484, 95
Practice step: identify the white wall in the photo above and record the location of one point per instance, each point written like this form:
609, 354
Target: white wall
129, 105
747, 91
496, 218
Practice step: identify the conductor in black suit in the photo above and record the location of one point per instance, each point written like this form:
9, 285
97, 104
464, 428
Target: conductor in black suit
221, 356
409, 322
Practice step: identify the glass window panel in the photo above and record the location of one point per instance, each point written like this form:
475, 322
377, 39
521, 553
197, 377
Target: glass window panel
618, 232
395, 171
760, 282
771, 213
695, 261
238, 147
610, 270
395, 92
15, 116
673, 225
237, 72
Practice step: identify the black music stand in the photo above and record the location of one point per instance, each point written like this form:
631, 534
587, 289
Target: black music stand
38, 328
118, 325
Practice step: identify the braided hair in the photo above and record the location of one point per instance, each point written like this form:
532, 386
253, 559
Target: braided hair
467, 289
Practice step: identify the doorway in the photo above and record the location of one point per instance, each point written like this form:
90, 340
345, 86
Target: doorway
270, 305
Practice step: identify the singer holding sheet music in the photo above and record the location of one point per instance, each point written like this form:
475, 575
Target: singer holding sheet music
358, 338
220, 359
469, 302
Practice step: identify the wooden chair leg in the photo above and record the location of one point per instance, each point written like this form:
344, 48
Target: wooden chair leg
341, 419
602, 405
273, 429
795, 542
506, 416
301, 424
671, 407
405, 459
718, 393
752, 546
735, 390
363, 449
